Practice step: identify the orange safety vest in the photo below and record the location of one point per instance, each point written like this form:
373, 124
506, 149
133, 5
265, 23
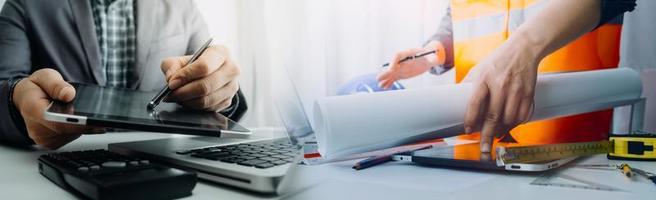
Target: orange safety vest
480, 26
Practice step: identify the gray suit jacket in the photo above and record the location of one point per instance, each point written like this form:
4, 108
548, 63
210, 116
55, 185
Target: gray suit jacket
60, 34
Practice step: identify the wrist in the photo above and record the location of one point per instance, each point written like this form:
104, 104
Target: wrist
532, 44
440, 53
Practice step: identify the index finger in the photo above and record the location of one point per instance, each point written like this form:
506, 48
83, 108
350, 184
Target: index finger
476, 107
492, 119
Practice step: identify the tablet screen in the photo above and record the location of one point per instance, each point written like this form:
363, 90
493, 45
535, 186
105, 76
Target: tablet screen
461, 156
124, 105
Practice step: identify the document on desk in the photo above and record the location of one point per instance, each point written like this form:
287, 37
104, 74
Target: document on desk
346, 125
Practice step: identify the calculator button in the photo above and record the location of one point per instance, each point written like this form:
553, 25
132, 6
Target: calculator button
113, 164
134, 163
94, 167
144, 162
83, 169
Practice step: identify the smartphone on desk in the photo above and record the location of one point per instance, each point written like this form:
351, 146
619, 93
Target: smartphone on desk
126, 109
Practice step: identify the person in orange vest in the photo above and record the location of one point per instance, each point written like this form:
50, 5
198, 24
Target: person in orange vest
501, 46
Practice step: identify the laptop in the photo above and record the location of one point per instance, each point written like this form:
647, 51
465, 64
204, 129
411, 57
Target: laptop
259, 163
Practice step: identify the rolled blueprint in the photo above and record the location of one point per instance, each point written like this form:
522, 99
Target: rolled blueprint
345, 125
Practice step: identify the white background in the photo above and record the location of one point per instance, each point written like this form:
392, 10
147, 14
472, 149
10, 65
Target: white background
324, 43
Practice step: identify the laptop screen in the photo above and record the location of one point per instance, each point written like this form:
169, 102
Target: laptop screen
290, 108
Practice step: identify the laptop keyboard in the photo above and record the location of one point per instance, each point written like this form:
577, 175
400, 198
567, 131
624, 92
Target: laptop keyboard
264, 154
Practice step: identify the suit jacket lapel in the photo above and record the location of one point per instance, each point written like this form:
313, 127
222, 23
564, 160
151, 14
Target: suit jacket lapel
87, 30
145, 16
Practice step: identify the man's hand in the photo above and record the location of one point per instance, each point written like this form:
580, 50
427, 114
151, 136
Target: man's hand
504, 85
410, 68
32, 96
208, 84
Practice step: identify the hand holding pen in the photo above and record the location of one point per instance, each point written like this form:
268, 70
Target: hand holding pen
205, 81
410, 63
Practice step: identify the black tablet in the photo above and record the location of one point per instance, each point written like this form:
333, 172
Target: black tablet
126, 109
469, 156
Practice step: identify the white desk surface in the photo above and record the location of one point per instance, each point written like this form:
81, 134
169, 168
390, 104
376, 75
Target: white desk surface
19, 179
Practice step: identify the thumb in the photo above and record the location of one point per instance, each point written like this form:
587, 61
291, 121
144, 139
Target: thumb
53, 84
392, 73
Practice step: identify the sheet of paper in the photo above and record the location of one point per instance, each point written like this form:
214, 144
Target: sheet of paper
345, 125
448, 142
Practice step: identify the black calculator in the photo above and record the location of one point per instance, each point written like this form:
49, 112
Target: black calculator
101, 174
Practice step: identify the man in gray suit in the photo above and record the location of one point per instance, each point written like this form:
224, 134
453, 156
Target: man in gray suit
118, 43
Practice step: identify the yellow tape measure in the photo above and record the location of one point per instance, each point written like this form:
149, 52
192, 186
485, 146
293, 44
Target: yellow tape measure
539, 153
626, 147
633, 147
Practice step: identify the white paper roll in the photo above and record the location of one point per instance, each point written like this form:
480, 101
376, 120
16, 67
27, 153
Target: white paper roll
345, 125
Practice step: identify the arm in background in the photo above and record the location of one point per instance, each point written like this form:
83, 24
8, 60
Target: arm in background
505, 80
200, 34
28, 86
443, 37
442, 61
14, 64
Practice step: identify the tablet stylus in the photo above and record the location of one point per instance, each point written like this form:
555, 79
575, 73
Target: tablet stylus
166, 90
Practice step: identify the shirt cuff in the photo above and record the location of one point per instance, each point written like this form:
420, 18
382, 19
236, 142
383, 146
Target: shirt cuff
13, 126
230, 110
437, 70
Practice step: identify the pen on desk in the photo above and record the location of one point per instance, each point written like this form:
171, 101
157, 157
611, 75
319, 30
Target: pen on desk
413, 57
646, 174
376, 160
371, 161
166, 90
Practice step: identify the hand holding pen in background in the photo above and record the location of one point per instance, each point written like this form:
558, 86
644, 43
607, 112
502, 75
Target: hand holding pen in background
410, 63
